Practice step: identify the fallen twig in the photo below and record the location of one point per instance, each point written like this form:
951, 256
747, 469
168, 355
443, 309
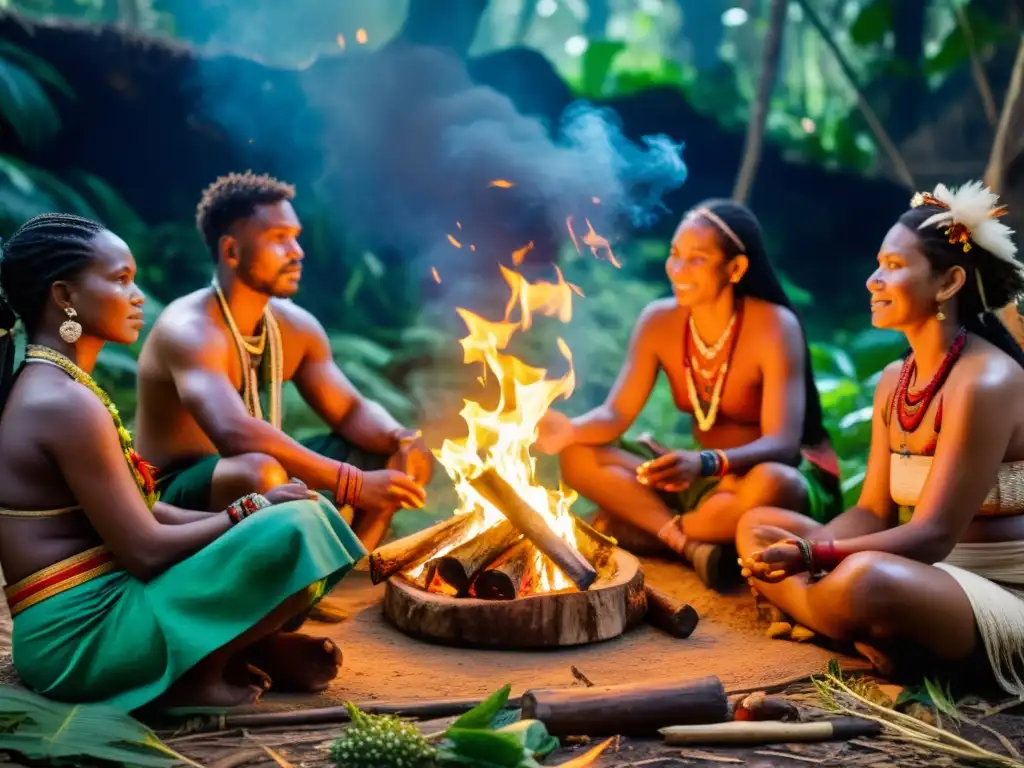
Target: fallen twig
578, 675
710, 757
788, 756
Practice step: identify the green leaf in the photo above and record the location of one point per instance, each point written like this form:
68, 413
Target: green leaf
37, 67
483, 714
24, 102
112, 209
45, 730
533, 735
349, 346
596, 64
487, 747
872, 23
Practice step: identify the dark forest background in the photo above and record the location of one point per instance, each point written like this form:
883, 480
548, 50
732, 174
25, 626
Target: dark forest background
824, 115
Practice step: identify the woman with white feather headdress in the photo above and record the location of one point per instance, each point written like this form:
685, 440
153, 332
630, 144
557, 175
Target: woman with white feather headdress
929, 564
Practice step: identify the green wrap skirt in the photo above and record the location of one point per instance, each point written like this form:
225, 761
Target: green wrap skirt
116, 640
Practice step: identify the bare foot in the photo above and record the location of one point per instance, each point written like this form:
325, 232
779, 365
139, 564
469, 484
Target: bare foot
194, 691
297, 662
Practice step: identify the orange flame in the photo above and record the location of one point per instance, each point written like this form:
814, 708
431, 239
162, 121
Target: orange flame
501, 438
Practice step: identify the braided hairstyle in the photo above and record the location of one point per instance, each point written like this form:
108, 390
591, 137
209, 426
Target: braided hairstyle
46, 248
761, 282
991, 282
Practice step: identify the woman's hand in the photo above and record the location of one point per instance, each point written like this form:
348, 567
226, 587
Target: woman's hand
554, 433
296, 490
672, 472
779, 560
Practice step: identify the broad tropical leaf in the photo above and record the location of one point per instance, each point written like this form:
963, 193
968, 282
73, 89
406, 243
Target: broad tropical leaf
24, 102
66, 734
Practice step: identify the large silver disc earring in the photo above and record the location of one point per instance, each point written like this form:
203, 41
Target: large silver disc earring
70, 329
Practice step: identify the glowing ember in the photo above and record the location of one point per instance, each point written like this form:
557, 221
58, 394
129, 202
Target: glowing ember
361, 36
501, 438
502, 184
341, 41
520, 254
593, 241
437, 277
454, 242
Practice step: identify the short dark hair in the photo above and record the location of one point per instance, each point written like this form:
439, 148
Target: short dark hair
234, 197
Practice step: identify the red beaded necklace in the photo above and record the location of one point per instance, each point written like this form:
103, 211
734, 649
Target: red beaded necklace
912, 406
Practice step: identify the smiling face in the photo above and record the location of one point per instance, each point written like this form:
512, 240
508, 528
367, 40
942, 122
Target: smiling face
265, 252
697, 267
104, 294
905, 289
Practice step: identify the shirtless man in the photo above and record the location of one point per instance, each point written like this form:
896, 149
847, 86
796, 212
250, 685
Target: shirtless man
211, 371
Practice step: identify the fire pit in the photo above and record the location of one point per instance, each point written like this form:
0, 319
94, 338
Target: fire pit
513, 567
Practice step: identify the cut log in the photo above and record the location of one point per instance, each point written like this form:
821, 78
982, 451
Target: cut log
669, 614
493, 487
457, 569
548, 620
507, 576
410, 551
634, 709
596, 548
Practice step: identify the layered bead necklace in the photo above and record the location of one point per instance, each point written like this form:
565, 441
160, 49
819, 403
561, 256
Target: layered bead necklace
712, 371
247, 349
142, 472
911, 407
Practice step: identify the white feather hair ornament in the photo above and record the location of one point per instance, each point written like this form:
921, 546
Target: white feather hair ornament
971, 215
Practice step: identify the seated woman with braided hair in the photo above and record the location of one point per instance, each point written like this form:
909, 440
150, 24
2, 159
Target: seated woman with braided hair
116, 597
735, 355
929, 564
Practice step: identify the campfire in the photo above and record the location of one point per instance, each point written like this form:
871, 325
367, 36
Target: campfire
511, 537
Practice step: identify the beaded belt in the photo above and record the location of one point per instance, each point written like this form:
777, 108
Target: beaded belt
59, 577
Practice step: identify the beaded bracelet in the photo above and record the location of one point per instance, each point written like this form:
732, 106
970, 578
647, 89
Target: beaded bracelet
713, 464
349, 485
241, 508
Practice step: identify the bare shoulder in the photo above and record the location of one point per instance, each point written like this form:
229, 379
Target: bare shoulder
657, 314
887, 382
291, 317
186, 328
987, 374
59, 400
773, 320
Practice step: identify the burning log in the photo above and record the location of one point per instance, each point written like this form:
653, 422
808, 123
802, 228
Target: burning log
457, 569
504, 579
669, 614
493, 487
634, 709
413, 550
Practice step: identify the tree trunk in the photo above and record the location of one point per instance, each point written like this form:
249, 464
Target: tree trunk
759, 109
450, 24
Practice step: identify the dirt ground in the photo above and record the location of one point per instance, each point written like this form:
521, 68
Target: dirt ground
383, 664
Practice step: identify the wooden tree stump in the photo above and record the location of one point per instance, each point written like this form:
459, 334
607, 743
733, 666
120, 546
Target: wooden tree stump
604, 611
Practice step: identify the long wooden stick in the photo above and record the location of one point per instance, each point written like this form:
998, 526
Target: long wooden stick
418, 710
493, 487
770, 732
870, 116
759, 109
670, 615
977, 65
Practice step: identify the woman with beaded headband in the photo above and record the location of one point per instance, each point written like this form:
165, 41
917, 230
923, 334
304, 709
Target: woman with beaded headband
929, 565
737, 360
115, 596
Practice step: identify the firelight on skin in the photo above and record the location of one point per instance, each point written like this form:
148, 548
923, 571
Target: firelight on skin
919, 571
734, 353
